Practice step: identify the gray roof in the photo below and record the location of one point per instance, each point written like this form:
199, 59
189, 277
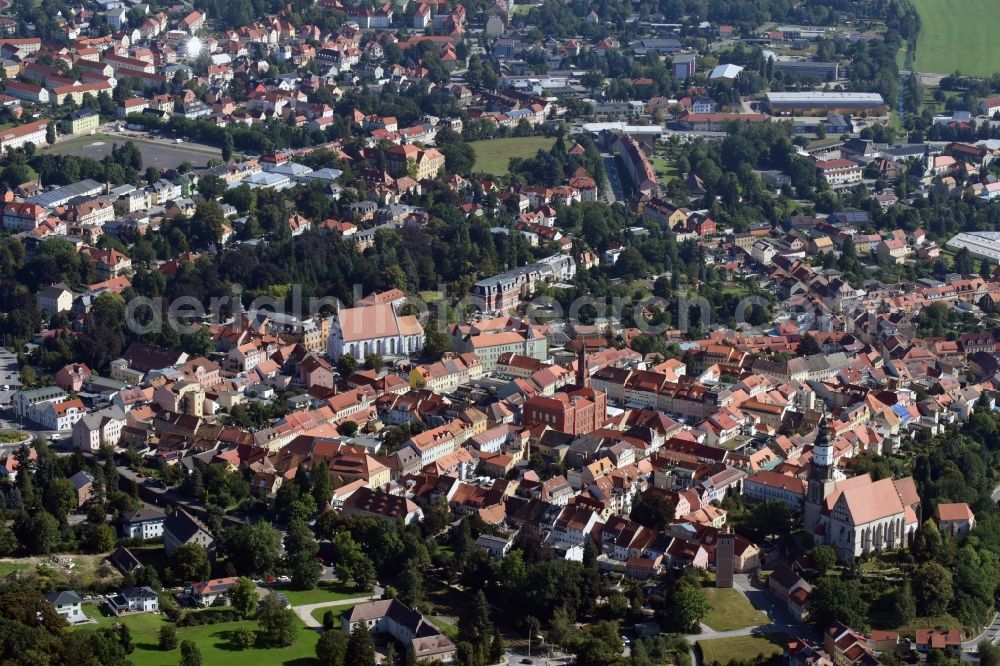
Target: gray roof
184, 526
123, 560
144, 515
63, 598
138, 593
81, 480
65, 193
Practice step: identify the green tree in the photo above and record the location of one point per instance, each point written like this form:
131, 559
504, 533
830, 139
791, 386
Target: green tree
190, 563
835, 600
904, 606
374, 362
243, 597
932, 589
689, 606
97, 538
301, 546
227, 146
206, 224
322, 485
347, 365
331, 649
989, 654
808, 346
242, 638
823, 559
190, 654
59, 498
927, 542
39, 533
277, 623
168, 637
50, 133
411, 585
253, 550
352, 563
125, 639
653, 510
360, 647
497, 647
475, 625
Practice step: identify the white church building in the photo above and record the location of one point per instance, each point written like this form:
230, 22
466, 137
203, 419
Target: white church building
375, 329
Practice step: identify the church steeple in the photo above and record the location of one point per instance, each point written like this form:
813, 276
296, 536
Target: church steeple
821, 482
823, 451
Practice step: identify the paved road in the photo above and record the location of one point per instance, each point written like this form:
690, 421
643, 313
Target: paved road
9, 375
991, 633
615, 192
305, 611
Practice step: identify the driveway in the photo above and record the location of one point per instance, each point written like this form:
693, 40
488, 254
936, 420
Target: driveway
305, 611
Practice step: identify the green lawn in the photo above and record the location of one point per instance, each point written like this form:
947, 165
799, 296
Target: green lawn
8, 567
742, 648
731, 610
664, 167
77, 142
337, 612
213, 640
327, 591
493, 156
446, 628
957, 35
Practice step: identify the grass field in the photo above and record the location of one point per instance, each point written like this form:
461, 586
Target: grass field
742, 648
327, 591
957, 35
337, 612
665, 168
10, 567
731, 610
212, 639
493, 156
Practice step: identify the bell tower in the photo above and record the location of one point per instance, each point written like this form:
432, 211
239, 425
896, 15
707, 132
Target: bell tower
821, 482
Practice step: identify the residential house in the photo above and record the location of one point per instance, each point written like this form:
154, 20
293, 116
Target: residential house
212, 592
181, 528
144, 523
134, 600
69, 605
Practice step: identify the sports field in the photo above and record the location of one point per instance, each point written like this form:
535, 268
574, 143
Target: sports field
958, 35
493, 156
160, 154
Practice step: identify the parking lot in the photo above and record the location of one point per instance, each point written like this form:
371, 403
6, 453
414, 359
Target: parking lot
160, 153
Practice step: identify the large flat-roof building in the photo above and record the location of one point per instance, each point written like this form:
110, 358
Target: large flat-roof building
980, 244
808, 69
825, 102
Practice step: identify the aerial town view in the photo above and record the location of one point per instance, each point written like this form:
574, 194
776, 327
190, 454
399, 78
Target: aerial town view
499, 332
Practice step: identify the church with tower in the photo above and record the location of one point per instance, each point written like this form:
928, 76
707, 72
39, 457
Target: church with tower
857, 515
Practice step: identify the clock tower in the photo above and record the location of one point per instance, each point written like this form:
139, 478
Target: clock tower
821, 482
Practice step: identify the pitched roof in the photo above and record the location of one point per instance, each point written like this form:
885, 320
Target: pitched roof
184, 526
